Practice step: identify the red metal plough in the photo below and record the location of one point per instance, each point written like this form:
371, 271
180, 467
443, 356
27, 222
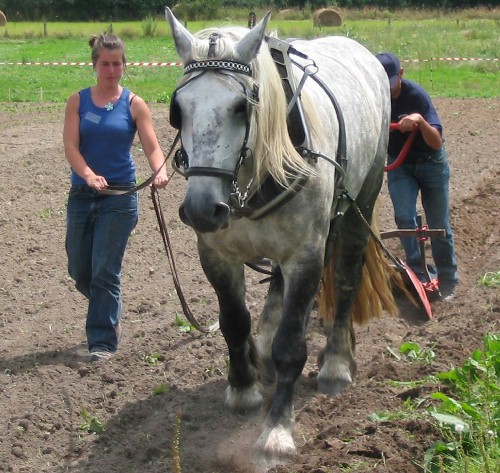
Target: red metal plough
427, 290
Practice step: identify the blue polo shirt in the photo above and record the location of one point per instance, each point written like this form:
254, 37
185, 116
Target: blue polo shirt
413, 99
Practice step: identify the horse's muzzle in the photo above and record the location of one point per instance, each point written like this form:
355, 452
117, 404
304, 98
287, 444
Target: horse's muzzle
205, 218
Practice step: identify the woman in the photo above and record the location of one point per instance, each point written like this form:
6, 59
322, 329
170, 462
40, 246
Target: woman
99, 129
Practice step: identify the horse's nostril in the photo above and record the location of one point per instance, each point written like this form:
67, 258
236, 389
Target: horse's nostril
221, 211
205, 218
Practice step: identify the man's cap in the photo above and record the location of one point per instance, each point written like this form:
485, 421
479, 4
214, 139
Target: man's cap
391, 66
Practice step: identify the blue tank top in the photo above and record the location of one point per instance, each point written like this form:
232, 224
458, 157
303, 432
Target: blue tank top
106, 139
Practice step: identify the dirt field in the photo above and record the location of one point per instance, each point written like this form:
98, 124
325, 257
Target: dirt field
45, 383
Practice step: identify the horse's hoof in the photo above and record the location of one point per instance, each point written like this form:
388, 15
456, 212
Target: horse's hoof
332, 386
243, 401
335, 375
275, 445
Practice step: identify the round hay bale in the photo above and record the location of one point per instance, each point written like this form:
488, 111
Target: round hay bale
327, 17
3, 18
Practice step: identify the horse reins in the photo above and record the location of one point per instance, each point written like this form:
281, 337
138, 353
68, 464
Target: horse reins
171, 261
125, 190
155, 197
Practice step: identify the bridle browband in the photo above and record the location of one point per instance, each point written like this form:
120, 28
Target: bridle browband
217, 64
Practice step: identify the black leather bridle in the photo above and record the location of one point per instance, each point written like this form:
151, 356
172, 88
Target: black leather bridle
230, 69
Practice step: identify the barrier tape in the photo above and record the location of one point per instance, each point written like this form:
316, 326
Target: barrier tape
451, 59
178, 64
159, 64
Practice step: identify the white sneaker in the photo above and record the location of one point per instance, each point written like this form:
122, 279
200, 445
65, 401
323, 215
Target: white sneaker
448, 297
100, 355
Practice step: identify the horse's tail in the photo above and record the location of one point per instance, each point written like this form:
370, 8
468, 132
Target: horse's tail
375, 295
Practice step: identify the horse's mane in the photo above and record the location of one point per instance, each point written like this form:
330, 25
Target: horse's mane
274, 152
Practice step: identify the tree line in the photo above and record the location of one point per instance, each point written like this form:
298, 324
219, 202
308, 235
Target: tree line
116, 10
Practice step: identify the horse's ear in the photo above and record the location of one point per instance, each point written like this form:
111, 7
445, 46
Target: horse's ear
247, 47
183, 39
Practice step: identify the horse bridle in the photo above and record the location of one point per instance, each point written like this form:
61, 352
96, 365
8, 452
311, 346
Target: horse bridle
181, 160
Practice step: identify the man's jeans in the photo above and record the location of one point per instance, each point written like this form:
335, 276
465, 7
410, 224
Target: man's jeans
98, 228
431, 177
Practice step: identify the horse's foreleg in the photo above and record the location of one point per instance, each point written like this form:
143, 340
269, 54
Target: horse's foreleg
289, 355
242, 394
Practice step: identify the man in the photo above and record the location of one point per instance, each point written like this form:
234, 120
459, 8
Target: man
424, 170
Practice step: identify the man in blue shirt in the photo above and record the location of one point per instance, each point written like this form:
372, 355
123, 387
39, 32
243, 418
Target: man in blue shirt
424, 170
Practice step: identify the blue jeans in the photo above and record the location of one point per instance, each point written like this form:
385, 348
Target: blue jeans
431, 177
98, 228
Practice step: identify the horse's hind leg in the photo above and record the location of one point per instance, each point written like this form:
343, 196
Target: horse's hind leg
242, 394
337, 363
268, 325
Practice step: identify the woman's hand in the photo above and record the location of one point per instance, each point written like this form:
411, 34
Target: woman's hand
161, 179
96, 182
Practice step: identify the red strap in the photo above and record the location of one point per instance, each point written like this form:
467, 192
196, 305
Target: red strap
404, 151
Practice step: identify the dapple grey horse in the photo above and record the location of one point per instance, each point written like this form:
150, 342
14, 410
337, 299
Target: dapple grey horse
290, 176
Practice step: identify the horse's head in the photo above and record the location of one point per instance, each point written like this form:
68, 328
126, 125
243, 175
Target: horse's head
213, 109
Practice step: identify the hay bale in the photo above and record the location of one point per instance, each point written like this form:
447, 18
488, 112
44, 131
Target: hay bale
327, 17
3, 18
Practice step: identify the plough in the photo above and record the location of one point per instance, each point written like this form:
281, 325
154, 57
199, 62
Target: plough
427, 290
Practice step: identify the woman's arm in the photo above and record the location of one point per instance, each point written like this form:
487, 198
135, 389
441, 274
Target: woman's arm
149, 140
71, 139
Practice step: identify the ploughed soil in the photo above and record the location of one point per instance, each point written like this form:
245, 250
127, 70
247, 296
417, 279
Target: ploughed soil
166, 384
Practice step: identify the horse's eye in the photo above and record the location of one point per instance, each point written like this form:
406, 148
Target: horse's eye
240, 108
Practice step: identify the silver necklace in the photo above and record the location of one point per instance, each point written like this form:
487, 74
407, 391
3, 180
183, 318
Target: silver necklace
109, 106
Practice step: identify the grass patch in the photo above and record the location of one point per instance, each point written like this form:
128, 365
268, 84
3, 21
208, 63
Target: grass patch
423, 38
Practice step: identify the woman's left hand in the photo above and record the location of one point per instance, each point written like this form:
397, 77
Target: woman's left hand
161, 179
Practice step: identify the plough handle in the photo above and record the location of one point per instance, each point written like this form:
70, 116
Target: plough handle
404, 151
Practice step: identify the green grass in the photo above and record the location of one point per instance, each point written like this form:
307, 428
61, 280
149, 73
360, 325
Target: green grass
30, 83
422, 39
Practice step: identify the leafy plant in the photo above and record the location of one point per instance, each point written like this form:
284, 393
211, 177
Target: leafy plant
469, 417
91, 424
413, 352
152, 359
490, 279
161, 389
183, 325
